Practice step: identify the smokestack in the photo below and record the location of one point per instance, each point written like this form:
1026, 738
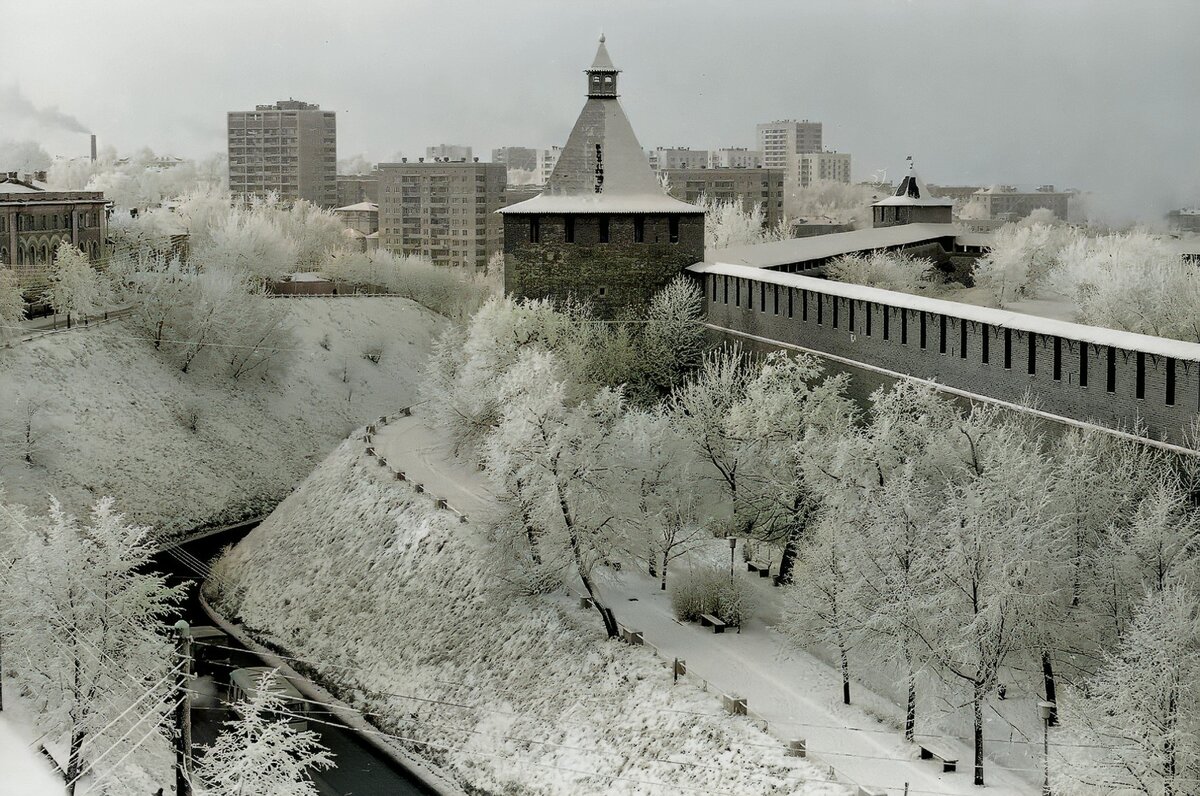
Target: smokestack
93, 147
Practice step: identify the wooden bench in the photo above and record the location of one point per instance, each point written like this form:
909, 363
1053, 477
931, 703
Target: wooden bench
708, 620
934, 751
763, 570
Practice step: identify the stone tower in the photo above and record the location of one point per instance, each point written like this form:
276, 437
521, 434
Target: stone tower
603, 230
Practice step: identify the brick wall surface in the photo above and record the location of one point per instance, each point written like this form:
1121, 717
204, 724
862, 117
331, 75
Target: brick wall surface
611, 276
874, 334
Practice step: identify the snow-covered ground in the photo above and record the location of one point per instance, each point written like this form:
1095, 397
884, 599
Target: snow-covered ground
116, 419
401, 609
797, 694
23, 771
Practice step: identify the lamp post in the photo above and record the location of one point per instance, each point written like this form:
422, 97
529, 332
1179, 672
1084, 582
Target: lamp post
1047, 710
732, 544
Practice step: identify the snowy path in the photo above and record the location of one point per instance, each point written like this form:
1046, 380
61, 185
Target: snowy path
796, 693
22, 771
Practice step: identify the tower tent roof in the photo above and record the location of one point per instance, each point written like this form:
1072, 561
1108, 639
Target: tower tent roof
602, 167
913, 191
602, 63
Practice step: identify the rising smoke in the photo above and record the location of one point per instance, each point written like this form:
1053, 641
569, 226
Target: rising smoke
15, 106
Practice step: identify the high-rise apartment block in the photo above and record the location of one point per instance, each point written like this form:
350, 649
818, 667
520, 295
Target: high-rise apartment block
778, 140
445, 211
448, 152
288, 148
750, 187
735, 158
828, 166
547, 160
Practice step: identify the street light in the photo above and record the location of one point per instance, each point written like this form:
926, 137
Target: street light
732, 544
1047, 710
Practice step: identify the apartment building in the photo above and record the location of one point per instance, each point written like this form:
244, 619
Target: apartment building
547, 160
778, 140
355, 188
735, 158
445, 211
1007, 203
448, 152
35, 221
288, 148
748, 186
663, 158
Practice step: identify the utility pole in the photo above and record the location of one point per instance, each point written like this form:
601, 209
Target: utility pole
1047, 709
732, 545
183, 711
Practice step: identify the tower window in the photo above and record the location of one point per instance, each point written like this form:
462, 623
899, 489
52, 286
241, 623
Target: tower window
985, 341
1140, 384
1170, 381
1032, 363
603, 221
1007, 349
569, 229
1112, 370
941, 334
639, 229
673, 229
923, 329
1083, 359
1057, 358
535, 230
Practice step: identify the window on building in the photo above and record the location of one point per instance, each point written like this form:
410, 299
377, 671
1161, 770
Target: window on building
791, 302
535, 230
726, 279
887, 321
962, 339
712, 278
851, 303
639, 229
903, 326
1083, 364
820, 308
569, 230
835, 302
1058, 359
603, 291
1031, 360
941, 334
1008, 349
737, 293
1140, 386
673, 229
868, 312
1111, 380
804, 305
776, 287
923, 328
762, 297
603, 221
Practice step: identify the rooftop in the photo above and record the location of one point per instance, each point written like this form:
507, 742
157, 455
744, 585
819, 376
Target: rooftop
819, 247
361, 207
913, 191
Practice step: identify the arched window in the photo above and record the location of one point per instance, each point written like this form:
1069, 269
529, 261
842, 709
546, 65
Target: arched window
45, 253
4, 255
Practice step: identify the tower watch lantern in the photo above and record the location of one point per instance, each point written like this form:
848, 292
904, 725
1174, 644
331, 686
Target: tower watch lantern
603, 231
602, 75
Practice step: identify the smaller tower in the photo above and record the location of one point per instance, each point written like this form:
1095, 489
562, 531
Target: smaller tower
912, 204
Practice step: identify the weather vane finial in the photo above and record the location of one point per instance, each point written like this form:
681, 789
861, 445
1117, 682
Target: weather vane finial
602, 37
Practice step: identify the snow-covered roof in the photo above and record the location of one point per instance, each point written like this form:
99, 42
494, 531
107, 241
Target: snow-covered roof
16, 186
353, 233
1095, 335
913, 191
360, 207
818, 247
602, 167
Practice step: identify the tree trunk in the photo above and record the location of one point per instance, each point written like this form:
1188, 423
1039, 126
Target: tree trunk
663, 584
910, 711
1048, 677
1169, 752
606, 614
75, 761
977, 704
787, 561
530, 533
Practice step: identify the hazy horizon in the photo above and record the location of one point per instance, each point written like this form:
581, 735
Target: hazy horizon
1099, 96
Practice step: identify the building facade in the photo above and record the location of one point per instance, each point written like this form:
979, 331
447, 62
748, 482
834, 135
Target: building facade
1006, 203
516, 157
355, 188
445, 211
749, 186
448, 152
288, 148
547, 160
913, 203
1185, 219
681, 157
735, 158
603, 230
35, 221
778, 140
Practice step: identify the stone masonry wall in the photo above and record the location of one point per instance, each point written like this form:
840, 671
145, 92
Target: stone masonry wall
1061, 376
611, 276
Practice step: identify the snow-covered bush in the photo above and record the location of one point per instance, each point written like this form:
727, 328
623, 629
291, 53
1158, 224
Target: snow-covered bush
887, 270
76, 287
12, 302
1021, 259
728, 223
452, 292
715, 591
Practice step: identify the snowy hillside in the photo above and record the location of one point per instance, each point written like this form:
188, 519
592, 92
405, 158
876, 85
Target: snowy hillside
403, 611
108, 416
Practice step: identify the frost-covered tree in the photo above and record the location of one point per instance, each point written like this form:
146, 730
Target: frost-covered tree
12, 302
671, 342
1020, 261
728, 223
260, 753
662, 513
76, 287
88, 620
1142, 710
887, 270
561, 450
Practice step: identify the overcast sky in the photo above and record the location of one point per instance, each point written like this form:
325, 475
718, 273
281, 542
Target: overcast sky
1099, 95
